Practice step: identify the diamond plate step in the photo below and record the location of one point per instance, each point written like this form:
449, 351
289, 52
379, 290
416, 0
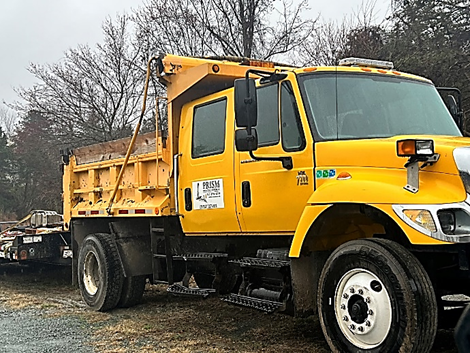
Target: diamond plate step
179, 289
200, 256
261, 263
255, 303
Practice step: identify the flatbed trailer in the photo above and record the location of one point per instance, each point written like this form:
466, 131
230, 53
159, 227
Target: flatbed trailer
42, 241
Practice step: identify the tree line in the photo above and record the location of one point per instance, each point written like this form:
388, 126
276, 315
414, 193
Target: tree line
94, 94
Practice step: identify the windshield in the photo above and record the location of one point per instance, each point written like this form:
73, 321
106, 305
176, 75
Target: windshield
350, 106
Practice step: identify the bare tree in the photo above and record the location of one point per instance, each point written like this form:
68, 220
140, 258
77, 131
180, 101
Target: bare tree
92, 95
8, 119
223, 27
356, 35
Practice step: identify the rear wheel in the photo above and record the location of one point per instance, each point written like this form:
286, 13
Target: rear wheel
375, 296
100, 276
132, 291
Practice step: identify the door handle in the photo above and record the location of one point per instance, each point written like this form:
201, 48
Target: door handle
246, 194
188, 203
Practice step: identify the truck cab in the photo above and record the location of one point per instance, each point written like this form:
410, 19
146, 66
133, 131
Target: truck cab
337, 191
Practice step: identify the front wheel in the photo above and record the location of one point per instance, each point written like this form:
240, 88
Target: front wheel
375, 296
100, 275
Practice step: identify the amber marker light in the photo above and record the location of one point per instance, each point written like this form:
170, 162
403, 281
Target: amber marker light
215, 68
157, 211
310, 69
343, 176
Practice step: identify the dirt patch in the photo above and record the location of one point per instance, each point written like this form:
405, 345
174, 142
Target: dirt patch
164, 323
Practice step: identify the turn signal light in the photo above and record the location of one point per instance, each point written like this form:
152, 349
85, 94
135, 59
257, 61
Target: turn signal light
422, 218
411, 148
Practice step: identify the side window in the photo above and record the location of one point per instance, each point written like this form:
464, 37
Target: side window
291, 127
209, 129
268, 115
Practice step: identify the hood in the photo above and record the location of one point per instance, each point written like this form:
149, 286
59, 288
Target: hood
382, 153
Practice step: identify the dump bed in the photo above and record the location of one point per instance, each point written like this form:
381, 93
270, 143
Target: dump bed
90, 178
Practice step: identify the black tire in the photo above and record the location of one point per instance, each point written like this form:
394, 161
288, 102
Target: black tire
132, 291
203, 280
391, 279
100, 275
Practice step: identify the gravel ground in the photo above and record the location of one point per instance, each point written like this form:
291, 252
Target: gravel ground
30, 330
41, 312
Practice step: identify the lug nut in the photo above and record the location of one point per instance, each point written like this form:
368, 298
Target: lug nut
367, 323
351, 290
367, 300
345, 296
370, 312
361, 329
345, 318
361, 292
343, 307
352, 327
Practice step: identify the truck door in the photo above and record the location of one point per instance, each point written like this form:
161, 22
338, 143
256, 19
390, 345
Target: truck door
270, 198
206, 173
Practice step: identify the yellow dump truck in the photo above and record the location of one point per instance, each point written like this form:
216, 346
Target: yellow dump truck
342, 191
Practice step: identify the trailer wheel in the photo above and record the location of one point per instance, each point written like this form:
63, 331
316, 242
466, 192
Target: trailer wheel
100, 275
375, 296
132, 291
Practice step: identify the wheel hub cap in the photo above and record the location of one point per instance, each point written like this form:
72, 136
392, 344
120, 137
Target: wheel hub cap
363, 308
91, 279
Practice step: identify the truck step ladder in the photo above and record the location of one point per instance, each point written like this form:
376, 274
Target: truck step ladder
256, 262
178, 289
267, 306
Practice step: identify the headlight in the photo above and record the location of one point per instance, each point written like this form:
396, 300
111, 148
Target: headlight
423, 218
447, 221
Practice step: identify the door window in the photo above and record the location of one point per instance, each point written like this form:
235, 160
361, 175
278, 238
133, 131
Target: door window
209, 129
292, 134
268, 115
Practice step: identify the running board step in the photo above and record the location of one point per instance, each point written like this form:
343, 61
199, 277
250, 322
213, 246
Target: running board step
200, 256
267, 306
195, 256
179, 289
261, 263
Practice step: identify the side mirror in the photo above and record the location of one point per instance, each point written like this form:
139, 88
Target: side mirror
245, 142
453, 102
454, 110
246, 105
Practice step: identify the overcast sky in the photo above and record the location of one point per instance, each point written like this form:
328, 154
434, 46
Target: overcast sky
39, 31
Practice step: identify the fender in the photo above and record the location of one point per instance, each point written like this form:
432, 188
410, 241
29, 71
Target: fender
385, 185
381, 189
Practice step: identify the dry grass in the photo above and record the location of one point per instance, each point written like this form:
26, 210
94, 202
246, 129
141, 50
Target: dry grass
164, 323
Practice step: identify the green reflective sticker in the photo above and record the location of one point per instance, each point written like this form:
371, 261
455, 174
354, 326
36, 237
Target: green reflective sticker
326, 173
